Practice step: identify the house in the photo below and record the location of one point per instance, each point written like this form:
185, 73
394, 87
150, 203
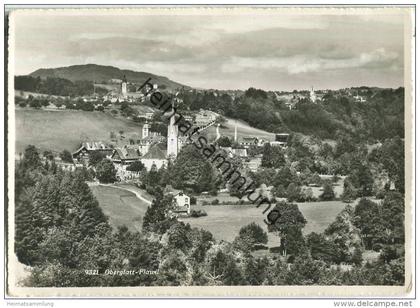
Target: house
359, 98
280, 140
82, 154
148, 115
254, 163
126, 155
181, 203
239, 151
155, 156
252, 141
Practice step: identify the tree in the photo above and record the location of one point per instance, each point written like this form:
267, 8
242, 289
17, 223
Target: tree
368, 219
48, 155
320, 248
224, 141
256, 270
95, 157
153, 176
31, 159
136, 166
362, 180
294, 193
106, 172
249, 236
286, 219
345, 235
155, 219
66, 156
349, 192
328, 193
273, 157
191, 170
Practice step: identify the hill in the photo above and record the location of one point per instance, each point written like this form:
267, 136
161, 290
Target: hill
66, 129
59, 130
100, 74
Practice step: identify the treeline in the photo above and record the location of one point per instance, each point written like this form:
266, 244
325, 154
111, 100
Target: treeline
61, 231
380, 117
54, 86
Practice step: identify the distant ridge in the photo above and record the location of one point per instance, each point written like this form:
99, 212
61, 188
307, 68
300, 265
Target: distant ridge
102, 73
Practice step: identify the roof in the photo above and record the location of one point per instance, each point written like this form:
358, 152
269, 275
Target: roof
155, 152
249, 139
94, 146
128, 153
91, 146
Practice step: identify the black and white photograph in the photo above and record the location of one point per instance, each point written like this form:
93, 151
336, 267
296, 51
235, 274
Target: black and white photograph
207, 151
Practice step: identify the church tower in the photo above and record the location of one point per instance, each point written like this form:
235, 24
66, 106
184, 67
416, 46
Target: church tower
312, 95
172, 142
124, 87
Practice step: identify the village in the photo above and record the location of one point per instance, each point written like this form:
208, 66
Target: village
154, 151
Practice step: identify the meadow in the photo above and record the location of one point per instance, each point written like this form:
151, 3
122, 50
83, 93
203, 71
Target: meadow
122, 207
66, 129
225, 221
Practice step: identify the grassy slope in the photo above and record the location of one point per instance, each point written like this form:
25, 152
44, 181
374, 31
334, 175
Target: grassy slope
58, 130
225, 221
121, 206
244, 130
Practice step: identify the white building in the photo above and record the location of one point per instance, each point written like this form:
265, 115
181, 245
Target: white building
181, 203
312, 95
124, 87
172, 141
155, 156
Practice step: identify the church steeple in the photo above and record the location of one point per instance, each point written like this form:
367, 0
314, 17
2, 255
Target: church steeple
172, 141
124, 87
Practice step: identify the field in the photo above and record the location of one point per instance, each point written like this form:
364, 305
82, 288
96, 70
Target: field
225, 221
244, 130
122, 207
59, 130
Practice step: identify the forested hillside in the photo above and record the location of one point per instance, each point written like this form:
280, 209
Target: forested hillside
381, 116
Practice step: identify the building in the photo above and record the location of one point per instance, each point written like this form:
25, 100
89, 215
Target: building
359, 98
145, 131
181, 203
246, 142
124, 88
280, 140
155, 156
254, 163
312, 95
82, 154
148, 115
126, 155
172, 141
239, 151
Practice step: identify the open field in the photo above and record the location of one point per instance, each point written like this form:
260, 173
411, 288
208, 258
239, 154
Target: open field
244, 130
66, 129
122, 207
57, 130
320, 214
225, 221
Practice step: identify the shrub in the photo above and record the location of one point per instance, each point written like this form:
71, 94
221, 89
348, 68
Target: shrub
198, 213
193, 200
328, 194
215, 202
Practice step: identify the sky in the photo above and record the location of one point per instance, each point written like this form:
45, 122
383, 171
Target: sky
272, 51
